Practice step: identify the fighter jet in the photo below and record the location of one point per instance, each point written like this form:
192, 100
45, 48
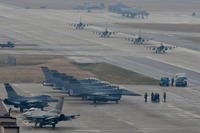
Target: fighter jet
55, 79
137, 40
7, 45
23, 102
105, 34
48, 78
106, 95
160, 49
102, 97
51, 117
80, 25
92, 90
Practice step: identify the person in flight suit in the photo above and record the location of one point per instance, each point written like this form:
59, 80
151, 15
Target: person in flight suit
172, 81
164, 96
152, 97
145, 97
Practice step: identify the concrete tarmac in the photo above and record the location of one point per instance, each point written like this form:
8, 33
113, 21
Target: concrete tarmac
180, 114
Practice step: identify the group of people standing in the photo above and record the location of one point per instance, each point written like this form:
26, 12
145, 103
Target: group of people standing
155, 97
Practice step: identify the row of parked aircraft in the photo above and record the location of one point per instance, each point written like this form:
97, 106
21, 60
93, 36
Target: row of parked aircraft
7, 45
88, 89
133, 39
39, 117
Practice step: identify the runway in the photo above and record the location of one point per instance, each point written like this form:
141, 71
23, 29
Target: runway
153, 68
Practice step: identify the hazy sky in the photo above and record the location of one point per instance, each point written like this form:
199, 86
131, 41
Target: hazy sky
151, 5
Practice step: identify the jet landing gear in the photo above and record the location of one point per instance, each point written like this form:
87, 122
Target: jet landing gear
21, 109
41, 125
53, 125
36, 124
94, 101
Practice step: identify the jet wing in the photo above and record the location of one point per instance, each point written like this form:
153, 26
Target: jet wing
161, 46
94, 94
33, 101
105, 32
129, 93
45, 98
98, 93
151, 47
34, 118
102, 93
62, 117
169, 47
50, 119
12, 102
122, 92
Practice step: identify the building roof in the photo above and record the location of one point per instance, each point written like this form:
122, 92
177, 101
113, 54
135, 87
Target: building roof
3, 111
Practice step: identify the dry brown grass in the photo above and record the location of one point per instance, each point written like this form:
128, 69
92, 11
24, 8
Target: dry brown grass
117, 75
28, 68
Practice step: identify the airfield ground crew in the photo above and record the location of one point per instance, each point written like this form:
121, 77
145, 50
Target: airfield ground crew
156, 98
9, 111
145, 97
152, 97
172, 81
164, 96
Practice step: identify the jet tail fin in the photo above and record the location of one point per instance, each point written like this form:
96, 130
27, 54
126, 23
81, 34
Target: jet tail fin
59, 106
45, 71
10, 91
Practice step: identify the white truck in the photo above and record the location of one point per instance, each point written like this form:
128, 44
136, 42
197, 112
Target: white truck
181, 80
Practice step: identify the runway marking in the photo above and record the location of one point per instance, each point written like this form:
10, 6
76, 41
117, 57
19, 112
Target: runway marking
127, 122
92, 130
182, 113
